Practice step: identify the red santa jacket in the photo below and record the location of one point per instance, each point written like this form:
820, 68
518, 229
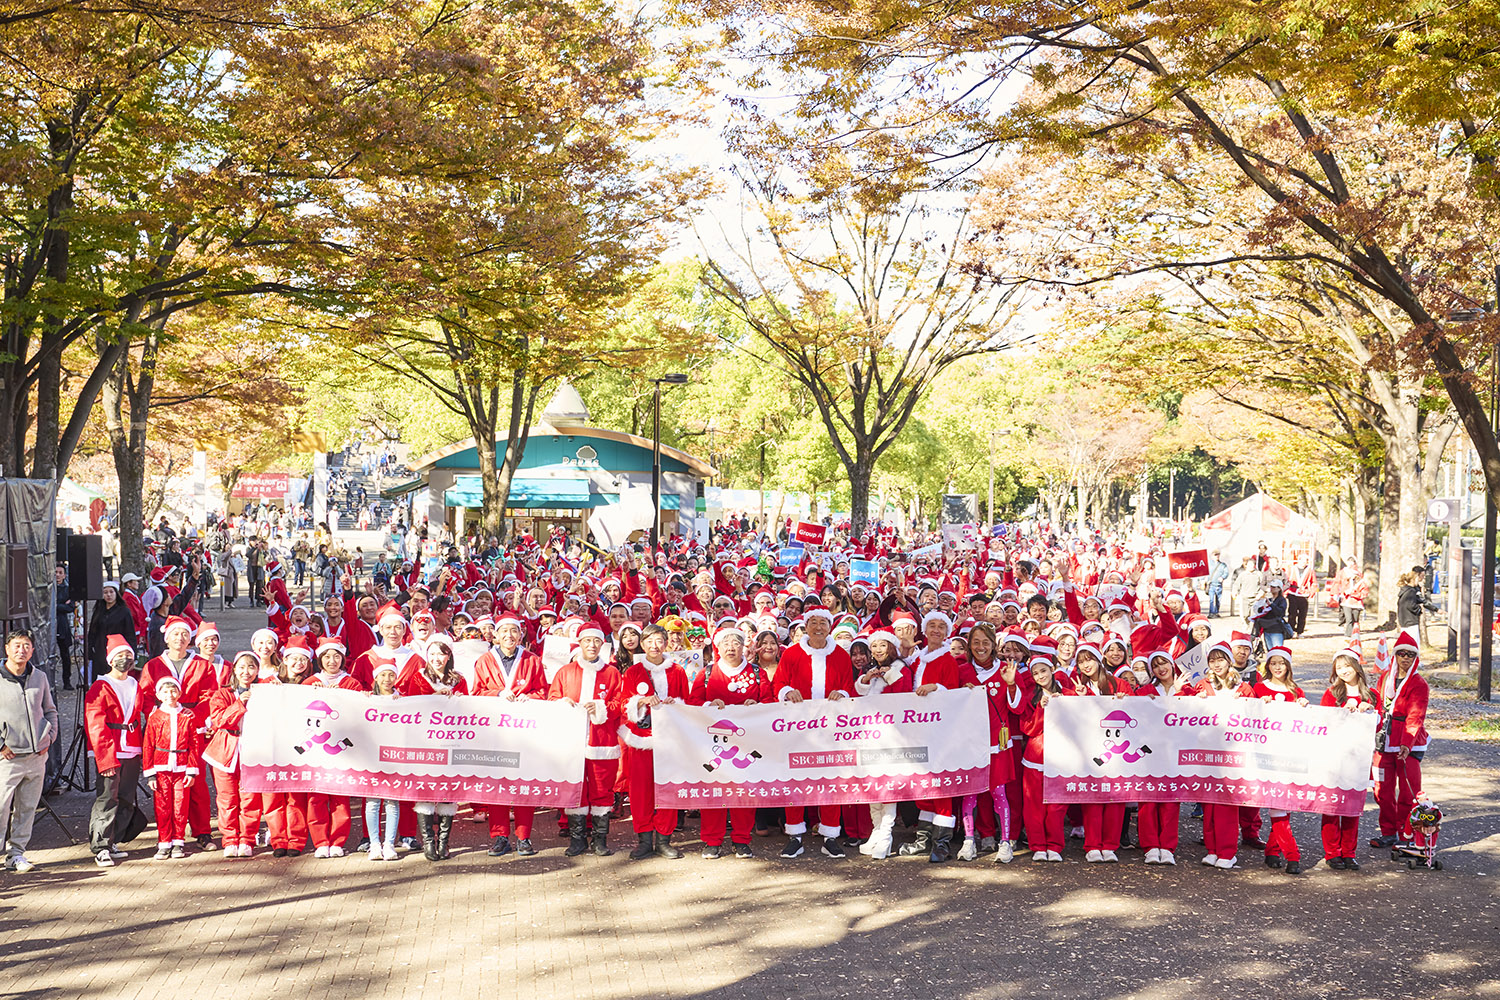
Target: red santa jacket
1087, 688
413, 679
935, 666
1260, 689
114, 722
814, 673
172, 742
199, 681
226, 712
1032, 722
343, 679
138, 614
1406, 702
1004, 726
665, 680
528, 679
749, 684
1351, 701
597, 681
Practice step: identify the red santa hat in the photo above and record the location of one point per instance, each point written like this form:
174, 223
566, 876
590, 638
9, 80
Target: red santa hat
207, 629
158, 574
590, 630
724, 635
823, 613
903, 618
177, 621
331, 642
1280, 651
114, 646
1220, 647
298, 645
1091, 649
1239, 639
1406, 643
936, 616
389, 612
167, 682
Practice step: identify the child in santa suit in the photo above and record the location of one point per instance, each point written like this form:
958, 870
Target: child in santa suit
172, 758
592, 682
814, 668
1157, 822
433, 671
887, 673
1102, 821
1276, 684
1220, 821
650, 681
730, 681
1403, 742
933, 669
285, 813
197, 680
513, 673
1347, 689
239, 811
328, 815
1044, 820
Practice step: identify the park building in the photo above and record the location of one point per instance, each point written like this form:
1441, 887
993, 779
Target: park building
568, 471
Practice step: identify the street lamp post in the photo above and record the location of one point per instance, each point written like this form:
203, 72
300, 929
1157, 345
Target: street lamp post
676, 378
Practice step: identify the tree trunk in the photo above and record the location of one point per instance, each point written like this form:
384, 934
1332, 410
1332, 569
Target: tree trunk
496, 493
1393, 499
127, 402
1367, 490
859, 491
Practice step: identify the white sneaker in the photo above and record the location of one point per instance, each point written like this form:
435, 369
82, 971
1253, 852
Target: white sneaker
375, 853
1004, 853
969, 851
388, 852
19, 863
335, 851
1166, 857
1151, 857
246, 851
103, 860
1229, 862
1210, 860
321, 852
880, 848
1053, 856
116, 853
1093, 857
163, 851
1039, 856
1109, 856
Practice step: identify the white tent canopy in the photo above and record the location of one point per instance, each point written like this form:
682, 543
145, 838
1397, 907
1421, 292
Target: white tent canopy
1239, 531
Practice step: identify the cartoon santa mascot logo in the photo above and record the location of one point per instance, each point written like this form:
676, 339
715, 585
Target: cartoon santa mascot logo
318, 716
726, 747
1114, 726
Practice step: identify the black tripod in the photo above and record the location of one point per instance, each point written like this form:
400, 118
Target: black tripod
74, 770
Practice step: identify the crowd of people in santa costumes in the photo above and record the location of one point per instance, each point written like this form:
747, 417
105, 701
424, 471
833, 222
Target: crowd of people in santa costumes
1033, 620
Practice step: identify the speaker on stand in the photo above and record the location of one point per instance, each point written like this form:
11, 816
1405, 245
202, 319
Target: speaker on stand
85, 561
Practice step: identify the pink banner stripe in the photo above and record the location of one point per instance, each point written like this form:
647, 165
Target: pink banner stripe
1293, 797
823, 791
412, 787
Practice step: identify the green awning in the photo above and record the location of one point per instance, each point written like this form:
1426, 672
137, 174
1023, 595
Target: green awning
468, 491
401, 489
669, 501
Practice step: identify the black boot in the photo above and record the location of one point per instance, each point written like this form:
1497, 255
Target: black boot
445, 829
923, 843
577, 842
601, 837
429, 842
942, 842
664, 846
645, 846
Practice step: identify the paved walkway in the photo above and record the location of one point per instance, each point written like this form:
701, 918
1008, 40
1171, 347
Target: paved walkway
588, 928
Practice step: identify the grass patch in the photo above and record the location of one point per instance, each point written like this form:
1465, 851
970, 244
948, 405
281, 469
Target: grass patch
1485, 727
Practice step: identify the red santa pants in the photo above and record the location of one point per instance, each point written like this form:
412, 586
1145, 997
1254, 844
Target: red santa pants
1398, 783
644, 816
711, 824
938, 812
172, 806
598, 783
828, 820
328, 819
1156, 824
286, 819
1282, 841
1340, 836
856, 823
1220, 829
1044, 822
500, 821
239, 811
1249, 823
1101, 825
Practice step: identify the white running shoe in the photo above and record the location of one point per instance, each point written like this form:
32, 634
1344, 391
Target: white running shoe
388, 852
375, 853
1210, 860
103, 860
321, 852
1054, 856
1227, 863
20, 863
1005, 853
1093, 857
1109, 856
1166, 857
1039, 856
335, 851
1151, 857
969, 851
163, 851
116, 853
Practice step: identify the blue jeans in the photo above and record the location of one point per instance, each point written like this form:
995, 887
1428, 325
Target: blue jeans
1214, 593
372, 821
1274, 639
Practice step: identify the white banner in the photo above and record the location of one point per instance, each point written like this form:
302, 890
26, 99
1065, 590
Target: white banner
887, 748
426, 748
1233, 751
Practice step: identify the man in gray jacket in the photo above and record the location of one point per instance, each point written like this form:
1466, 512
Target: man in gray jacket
28, 726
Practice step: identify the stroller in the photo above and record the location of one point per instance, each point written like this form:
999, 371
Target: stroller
1426, 821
